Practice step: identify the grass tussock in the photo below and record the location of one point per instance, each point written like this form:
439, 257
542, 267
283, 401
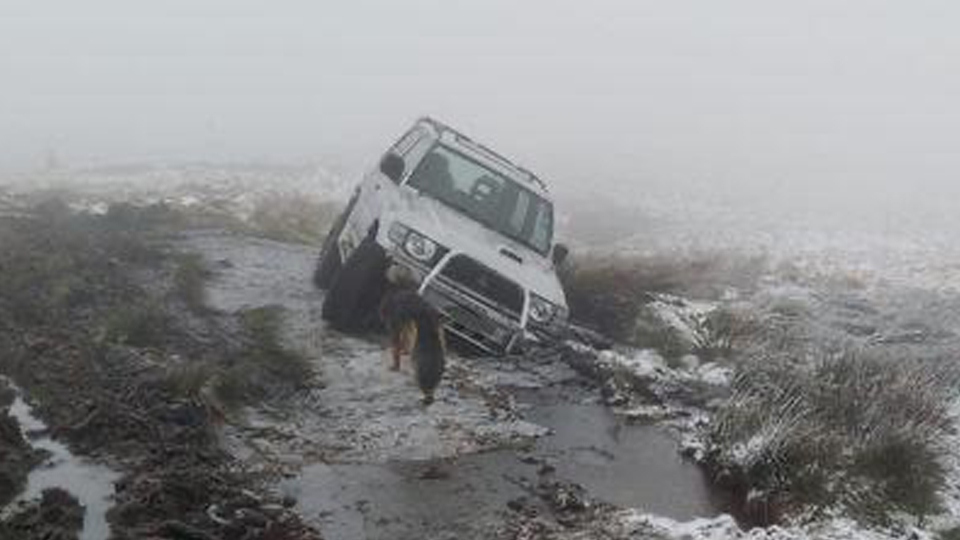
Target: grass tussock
263, 326
189, 281
610, 294
140, 324
285, 217
264, 365
292, 217
79, 277
190, 380
256, 368
726, 332
56, 262
951, 534
859, 432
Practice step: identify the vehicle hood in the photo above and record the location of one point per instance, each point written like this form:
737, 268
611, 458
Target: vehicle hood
462, 234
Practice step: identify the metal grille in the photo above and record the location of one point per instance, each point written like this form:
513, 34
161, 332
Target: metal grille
461, 320
488, 286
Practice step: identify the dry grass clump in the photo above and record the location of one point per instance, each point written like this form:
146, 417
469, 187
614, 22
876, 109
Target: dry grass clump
190, 281
285, 217
264, 365
257, 367
76, 275
951, 534
190, 380
727, 332
856, 431
292, 217
56, 262
260, 368
608, 293
138, 324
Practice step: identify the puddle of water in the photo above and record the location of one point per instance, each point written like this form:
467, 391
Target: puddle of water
629, 465
461, 498
90, 483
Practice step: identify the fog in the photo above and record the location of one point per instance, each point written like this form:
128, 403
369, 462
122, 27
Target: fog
820, 104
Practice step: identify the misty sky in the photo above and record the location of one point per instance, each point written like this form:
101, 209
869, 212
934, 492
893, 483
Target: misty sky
801, 100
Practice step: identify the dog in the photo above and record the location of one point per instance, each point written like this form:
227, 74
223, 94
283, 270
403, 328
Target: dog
414, 327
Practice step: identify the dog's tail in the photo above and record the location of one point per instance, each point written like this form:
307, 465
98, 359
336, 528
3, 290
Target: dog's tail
428, 350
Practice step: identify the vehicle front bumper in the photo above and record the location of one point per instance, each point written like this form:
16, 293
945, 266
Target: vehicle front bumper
470, 320
463, 314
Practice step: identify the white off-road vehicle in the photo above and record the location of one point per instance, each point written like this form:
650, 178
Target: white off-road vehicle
474, 229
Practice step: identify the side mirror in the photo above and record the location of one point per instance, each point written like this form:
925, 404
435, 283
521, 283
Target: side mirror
560, 252
392, 166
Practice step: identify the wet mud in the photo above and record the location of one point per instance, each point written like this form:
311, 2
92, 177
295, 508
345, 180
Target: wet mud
17, 456
100, 357
88, 485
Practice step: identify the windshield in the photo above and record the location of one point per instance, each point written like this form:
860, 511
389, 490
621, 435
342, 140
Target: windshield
487, 196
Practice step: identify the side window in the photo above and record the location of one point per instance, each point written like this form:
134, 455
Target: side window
411, 147
518, 218
543, 226
415, 154
407, 141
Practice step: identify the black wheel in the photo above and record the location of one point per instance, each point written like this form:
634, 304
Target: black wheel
329, 262
351, 302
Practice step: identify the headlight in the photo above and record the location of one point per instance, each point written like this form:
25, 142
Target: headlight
420, 247
541, 311
415, 244
397, 232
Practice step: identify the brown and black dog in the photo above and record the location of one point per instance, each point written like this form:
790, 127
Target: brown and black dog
414, 327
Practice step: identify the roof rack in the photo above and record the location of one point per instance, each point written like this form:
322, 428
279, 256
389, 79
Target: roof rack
441, 128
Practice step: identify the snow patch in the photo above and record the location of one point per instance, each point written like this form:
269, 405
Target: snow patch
688, 318
633, 522
649, 364
644, 363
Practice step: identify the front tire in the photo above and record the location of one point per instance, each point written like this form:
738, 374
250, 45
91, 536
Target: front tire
329, 263
351, 301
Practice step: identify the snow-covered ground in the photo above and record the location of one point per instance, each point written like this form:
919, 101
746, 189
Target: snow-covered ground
908, 246
633, 524
235, 189
894, 282
951, 495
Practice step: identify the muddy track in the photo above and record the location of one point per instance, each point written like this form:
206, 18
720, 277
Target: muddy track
123, 347
364, 459
360, 411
